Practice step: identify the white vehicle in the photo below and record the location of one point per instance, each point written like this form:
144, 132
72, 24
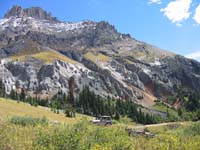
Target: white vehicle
102, 120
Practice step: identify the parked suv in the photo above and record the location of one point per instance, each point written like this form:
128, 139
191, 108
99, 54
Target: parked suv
102, 120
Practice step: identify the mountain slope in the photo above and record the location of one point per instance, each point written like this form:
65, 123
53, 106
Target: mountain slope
10, 108
93, 53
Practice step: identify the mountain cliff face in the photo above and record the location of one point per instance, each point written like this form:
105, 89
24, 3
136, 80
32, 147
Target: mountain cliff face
34, 12
41, 54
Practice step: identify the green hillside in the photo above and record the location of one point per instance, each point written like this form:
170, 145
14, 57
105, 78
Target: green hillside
48, 56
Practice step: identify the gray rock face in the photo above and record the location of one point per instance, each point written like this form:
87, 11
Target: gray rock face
54, 77
15, 11
34, 12
109, 62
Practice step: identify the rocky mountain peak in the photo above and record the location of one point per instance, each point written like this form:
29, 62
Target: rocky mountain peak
34, 12
106, 26
14, 11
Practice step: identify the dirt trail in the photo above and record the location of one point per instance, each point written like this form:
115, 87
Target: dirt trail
156, 125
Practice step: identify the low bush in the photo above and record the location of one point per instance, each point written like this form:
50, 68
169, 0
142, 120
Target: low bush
24, 121
193, 130
83, 136
86, 136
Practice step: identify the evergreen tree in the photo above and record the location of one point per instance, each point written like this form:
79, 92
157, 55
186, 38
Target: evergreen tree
13, 95
180, 111
71, 84
95, 105
117, 116
2, 89
69, 111
22, 95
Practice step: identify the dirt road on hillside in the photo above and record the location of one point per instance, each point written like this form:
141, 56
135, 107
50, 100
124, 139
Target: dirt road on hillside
157, 125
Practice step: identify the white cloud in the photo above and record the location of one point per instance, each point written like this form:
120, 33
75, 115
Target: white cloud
179, 25
197, 15
154, 2
177, 11
194, 55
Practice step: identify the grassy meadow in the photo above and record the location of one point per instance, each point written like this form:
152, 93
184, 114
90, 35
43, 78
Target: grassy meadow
97, 58
25, 127
9, 108
46, 56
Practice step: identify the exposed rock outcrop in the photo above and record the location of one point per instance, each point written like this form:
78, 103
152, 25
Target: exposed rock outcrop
34, 12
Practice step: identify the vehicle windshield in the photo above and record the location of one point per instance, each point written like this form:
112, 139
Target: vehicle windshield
105, 118
98, 118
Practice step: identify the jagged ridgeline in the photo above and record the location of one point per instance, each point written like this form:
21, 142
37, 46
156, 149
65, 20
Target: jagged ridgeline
40, 54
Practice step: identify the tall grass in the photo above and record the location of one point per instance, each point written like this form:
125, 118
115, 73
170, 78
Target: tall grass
25, 121
85, 136
194, 129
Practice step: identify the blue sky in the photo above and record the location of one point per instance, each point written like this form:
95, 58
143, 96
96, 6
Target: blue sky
173, 25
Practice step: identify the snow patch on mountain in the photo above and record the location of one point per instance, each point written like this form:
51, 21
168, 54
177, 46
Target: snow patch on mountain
44, 26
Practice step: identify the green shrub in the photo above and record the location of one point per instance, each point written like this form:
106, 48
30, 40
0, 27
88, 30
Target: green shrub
69, 111
193, 129
24, 121
171, 99
83, 136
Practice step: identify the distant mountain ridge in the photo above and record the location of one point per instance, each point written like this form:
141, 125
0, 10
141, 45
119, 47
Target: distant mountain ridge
42, 53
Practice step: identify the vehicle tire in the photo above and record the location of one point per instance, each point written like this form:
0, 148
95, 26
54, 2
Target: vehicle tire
108, 124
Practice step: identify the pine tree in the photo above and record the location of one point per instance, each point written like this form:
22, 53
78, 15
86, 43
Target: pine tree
2, 89
13, 95
22, 95
71, 84
69, 111
117, 116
